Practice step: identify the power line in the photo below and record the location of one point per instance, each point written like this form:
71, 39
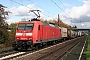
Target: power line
25, 6
62, 4
65, 7
19, 3
60, 8
40, 7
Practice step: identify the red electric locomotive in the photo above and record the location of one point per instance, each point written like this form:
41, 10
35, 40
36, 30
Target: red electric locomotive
33, 33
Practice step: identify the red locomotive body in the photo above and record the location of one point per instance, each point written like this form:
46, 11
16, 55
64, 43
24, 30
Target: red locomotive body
31, 33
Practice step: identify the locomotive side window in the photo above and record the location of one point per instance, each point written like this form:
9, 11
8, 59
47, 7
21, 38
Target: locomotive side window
21, 26
39, 27
29, 26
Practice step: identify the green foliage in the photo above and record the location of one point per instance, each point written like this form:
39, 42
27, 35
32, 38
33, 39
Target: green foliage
3, 25
3, 35
87, 53
13, 27
7, 36
2, 39
12, 33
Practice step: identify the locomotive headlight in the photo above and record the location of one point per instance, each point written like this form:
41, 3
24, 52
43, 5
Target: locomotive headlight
28, 34
18, 34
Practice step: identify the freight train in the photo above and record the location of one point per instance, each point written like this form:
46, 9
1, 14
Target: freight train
34, 33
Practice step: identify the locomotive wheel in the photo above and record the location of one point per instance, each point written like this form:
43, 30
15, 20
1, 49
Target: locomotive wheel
16, 49
38, 46
26, 48
53, 42
35, 47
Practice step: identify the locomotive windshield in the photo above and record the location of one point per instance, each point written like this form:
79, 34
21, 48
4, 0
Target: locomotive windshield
25, 26
29, 27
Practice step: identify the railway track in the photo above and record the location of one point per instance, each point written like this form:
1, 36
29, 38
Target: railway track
7, 53
54, 52
4, 50
57, 52
11, 54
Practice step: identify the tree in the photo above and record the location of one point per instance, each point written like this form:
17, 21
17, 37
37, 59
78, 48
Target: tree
12, 27
75, 26
3, 24
61, 24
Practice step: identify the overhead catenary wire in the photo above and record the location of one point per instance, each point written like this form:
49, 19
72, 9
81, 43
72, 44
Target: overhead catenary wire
29, 7
26, 6
65, 7
39, 6
62, 4
19, 3
60, 8
63, 10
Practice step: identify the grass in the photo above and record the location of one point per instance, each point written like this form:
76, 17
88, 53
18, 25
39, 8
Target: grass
87, 53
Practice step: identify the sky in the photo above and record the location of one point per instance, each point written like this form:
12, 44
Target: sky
71, 12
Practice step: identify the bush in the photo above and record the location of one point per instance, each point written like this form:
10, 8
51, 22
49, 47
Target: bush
3, 37
87, 53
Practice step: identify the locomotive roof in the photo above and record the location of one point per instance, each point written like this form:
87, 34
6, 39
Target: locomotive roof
43, 23
46, 24
28, 21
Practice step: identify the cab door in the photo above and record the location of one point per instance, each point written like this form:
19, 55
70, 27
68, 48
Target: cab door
40, 32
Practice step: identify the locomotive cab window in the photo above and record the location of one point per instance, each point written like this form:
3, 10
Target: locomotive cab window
25, 26
29, 26
21, 26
